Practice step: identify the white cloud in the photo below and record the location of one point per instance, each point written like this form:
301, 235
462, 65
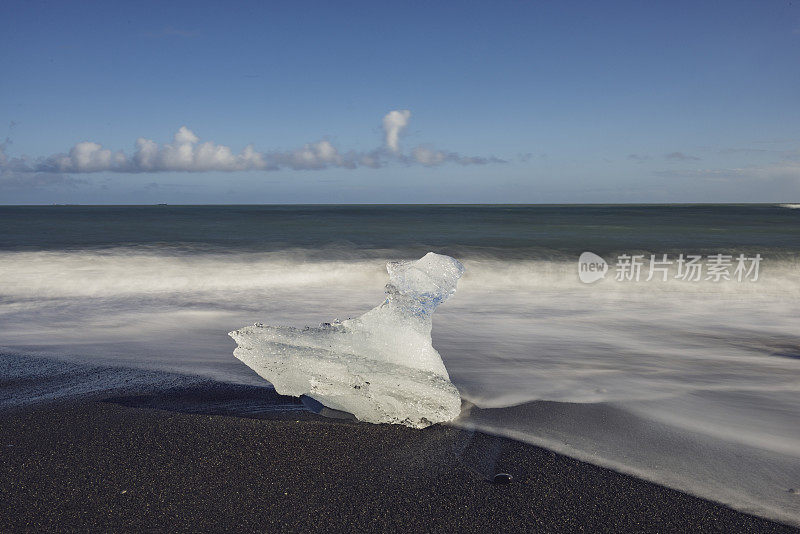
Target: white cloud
317, 155
430, 157
427, 156
393, 123
186, 153
88, 157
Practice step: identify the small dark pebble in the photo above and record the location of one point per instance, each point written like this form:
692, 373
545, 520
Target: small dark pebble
794, 491
503, 478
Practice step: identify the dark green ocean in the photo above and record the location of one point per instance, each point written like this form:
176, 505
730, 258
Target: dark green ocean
501, 231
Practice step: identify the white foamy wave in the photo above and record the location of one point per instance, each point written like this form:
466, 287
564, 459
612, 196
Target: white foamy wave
790, 206
776, 276
122, 272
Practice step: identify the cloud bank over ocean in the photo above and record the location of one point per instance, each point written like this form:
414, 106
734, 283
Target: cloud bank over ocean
186, 153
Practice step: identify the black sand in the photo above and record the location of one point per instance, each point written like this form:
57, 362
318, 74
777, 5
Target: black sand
128, 464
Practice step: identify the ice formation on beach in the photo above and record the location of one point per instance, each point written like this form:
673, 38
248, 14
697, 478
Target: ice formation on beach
381, 366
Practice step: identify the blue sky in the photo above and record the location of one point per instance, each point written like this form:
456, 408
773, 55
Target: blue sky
507, 102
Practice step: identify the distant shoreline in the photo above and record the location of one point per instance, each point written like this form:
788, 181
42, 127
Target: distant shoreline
778, 203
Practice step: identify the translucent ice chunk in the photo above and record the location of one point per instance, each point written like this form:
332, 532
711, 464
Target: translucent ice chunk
381, 367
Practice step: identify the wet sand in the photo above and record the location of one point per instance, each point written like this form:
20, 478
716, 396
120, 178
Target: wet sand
208, 459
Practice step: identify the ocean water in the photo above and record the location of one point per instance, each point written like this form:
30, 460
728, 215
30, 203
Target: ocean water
691, 384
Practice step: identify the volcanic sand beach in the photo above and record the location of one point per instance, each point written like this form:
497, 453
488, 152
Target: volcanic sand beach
208, 458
